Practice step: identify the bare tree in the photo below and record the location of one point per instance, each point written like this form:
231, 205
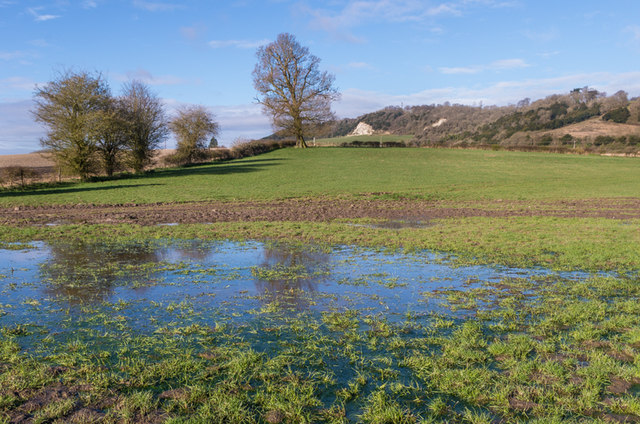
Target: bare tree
146, 122
193, 127
291, 87
70, 107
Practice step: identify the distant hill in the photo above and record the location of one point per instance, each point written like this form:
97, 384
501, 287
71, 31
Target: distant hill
581, 119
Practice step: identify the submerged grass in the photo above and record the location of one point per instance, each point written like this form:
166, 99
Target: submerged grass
558, 243
544, 349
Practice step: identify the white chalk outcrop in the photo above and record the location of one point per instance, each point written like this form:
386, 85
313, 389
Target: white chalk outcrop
440, 122
362, 129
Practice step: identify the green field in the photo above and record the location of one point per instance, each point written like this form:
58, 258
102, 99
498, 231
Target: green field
437, 174
344, 321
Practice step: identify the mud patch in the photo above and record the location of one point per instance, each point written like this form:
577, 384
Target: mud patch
315, 210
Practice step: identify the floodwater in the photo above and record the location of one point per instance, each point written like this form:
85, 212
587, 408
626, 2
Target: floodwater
61, 288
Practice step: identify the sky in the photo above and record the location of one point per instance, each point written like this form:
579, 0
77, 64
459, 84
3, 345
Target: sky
382, 52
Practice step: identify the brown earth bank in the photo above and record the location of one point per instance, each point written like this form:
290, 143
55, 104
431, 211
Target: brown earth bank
315, 209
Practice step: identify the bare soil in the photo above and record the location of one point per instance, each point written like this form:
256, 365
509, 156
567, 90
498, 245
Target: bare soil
594, 127
315, 209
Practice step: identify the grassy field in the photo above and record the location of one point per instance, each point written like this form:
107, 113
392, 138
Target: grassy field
437, 174
192, 343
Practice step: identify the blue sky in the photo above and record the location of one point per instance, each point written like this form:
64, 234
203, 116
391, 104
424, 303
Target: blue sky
382, 52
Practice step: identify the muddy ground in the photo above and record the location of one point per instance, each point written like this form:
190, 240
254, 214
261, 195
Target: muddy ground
316, 209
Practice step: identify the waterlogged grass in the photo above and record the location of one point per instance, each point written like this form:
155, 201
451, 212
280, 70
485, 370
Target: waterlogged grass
537, 348
558, 243
407, 173
111, 328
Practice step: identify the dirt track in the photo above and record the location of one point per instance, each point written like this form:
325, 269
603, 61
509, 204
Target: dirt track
313, 210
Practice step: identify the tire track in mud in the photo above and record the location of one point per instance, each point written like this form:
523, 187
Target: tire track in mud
314, 210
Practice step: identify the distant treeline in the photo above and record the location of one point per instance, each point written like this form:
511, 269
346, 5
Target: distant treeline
525, 124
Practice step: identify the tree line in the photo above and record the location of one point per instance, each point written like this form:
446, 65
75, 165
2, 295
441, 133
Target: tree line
89, 130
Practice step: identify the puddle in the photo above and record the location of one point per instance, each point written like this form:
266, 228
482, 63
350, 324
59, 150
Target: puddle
59, 288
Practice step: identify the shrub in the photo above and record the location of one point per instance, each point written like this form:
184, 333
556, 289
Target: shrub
603, 139
546, 140
633, 140
566, 139
620, 115
256, 147
18, 174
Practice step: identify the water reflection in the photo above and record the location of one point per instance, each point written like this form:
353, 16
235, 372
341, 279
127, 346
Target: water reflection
289, 275
87, 272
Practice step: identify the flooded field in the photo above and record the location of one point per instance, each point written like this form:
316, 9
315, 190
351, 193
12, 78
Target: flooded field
255, 332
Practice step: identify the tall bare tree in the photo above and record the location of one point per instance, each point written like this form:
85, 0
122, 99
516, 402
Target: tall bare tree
194, 127
291, 87
71, 107
147, 125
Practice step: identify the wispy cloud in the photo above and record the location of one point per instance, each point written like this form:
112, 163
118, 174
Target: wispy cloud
17, 83
20, 134
89, 4
240, 44
156, 6
146, 77
354, 13
634, 31
356, 102
13, 55
498, 65
194, 31
359, 65
41, 17
541, 36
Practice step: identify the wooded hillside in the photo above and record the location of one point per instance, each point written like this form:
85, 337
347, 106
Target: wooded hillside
581, 119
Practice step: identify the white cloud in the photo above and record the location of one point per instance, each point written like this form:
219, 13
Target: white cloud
359, 65
240, 44
241, 121
460, 70
354, 13
17, 83
508, 64
541, 36
356, 102
20, 133
498, 65
39, 43
156, 6
146, 77
193, 32
13, 55
634, 31
35, 12
89, 4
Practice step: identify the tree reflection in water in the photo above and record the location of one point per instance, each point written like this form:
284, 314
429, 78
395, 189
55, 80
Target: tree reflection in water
291, 274
88, 272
